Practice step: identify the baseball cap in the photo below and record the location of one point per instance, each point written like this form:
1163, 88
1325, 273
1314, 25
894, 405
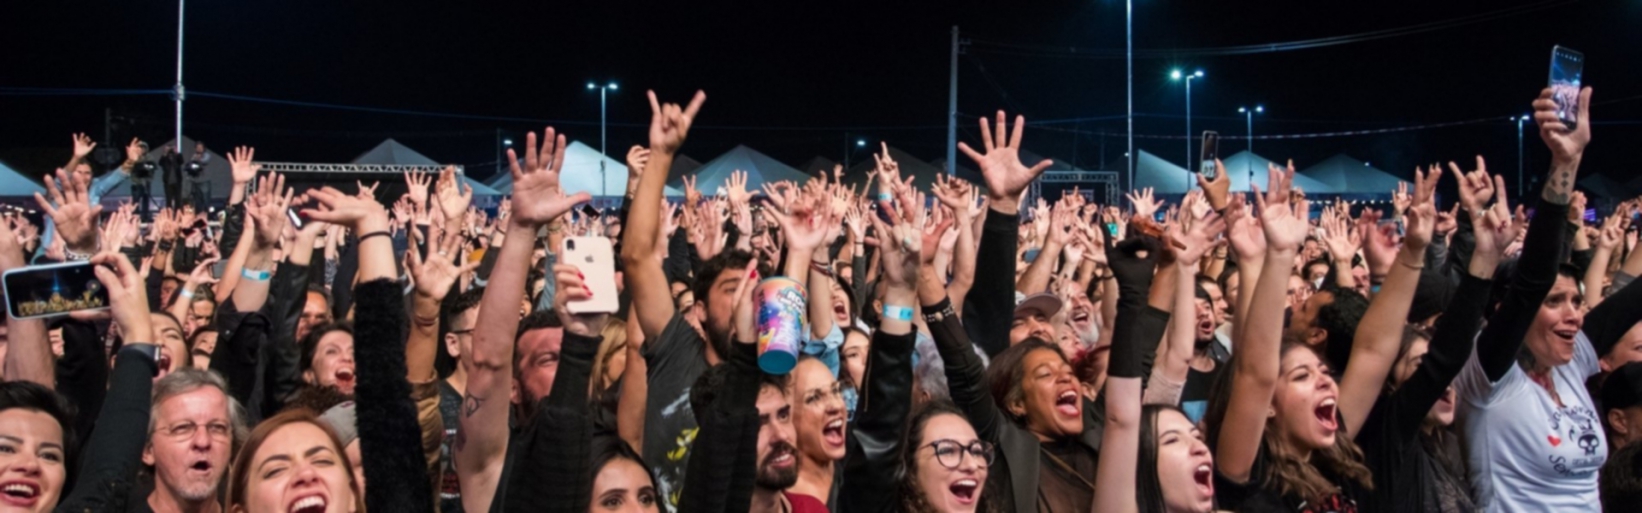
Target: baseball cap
1043, 302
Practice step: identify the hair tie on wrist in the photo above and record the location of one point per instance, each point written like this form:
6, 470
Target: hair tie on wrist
378, 233
897, 312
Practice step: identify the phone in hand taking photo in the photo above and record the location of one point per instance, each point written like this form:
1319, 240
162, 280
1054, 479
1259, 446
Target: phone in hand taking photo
596, 261
1209, 153
53, 290
1567, 68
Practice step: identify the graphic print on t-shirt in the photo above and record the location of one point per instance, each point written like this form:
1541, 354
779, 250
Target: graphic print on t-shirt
1574, 444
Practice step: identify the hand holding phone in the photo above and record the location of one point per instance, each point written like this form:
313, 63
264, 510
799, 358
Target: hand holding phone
594, 259
1209, 153
1567, 70
53, 290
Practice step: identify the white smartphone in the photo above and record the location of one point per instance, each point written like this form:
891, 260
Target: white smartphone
596, 261
52, 290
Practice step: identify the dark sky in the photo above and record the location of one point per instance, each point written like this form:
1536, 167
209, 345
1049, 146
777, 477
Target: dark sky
799, 79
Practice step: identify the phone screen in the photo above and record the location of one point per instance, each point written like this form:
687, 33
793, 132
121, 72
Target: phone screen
50, 290
1209, 153
1567, 66
296, 220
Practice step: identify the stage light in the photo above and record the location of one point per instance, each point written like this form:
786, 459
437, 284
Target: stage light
1174, 74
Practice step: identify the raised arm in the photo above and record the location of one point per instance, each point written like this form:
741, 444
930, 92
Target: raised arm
1174, 360
1379, 334
1257, 353
652, 299
481, 439
267, 210
28, 357
990, 304
1610, 237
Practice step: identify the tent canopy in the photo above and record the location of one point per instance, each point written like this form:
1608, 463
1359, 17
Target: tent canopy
1165, 177
1240, 165
13, 184
218, 174
1603, 187
760, 168
682, 165
391, 152
1346, 175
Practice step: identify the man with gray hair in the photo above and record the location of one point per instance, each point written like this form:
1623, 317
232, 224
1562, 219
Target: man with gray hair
192, 429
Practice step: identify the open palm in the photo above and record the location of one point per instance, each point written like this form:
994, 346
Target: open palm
537, 198
1006, 176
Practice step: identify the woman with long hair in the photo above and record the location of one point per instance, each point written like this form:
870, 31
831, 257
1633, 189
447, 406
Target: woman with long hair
1276, 418
293, 461
944, 462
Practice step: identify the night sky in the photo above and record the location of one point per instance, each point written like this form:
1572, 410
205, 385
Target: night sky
800, 79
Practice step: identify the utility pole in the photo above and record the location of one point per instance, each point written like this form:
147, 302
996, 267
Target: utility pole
177, 90
951, 108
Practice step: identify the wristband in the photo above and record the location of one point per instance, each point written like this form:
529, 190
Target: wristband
884, 196
186, 294
255, 275
164, 245
379, 233
899, 313
146, 351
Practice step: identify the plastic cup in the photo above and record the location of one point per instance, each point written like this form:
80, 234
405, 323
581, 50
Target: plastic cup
781, 319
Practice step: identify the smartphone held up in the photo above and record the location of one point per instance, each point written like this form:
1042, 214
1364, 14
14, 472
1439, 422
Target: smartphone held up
1567, 70
596, 261
53, 290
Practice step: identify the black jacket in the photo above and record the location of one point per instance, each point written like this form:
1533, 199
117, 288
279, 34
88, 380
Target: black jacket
552, 455
390, 437
871, 481
113, 455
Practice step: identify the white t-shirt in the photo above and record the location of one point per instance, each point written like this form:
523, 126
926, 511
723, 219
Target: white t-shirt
1526, 454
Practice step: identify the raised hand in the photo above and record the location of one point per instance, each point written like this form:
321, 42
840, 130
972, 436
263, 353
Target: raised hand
243, 165
900, 246
637, 157
1497, 227
364, 216
417, 183
1576, 208
1247, 238
1190, 243
134, 151
1285, 227
1145, 206
435, 273
536, 185
806, 223
571, 287
692, 195
1421, 217
1218, 189
1400, 198
127, 296
670, 124
71, 210
267, 207
1006, 177
452, 196
1341, 240
367, 191
1566, 145
83, 146
735, 188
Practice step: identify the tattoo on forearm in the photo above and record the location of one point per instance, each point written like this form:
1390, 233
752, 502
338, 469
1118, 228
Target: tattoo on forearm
471, 404
1559, 187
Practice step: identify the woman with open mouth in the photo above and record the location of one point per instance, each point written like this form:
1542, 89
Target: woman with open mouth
1407, 441
1535, 441
1277, 426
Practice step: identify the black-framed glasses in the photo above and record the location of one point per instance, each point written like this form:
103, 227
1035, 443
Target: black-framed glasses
950, 453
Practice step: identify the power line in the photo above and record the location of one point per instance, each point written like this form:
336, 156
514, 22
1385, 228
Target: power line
1019, 49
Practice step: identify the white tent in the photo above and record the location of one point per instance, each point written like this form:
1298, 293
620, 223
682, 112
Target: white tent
1346, 175
760, 169
1165, 177
13, 184
218, 175
582, 173
393, 152
1240, 165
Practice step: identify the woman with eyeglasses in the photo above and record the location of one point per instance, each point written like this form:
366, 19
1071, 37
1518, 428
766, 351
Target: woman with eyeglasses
945, 462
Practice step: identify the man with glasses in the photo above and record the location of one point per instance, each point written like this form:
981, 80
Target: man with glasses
461, 315
191, 433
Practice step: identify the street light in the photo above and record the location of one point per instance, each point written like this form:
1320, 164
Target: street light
604, 188
1249, 113
1177, 75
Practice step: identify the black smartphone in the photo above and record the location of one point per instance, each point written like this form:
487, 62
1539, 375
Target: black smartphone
589, 211
1209, 153
1567, 68
53, 290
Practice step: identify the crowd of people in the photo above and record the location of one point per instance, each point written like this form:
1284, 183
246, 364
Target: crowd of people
1229, 351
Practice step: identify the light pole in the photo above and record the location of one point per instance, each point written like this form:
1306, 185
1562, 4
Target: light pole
1519, 120
1129, 74
848, 151
1249, 113
604, 188
1177, 75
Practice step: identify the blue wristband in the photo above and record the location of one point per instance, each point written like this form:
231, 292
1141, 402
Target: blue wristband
899, 313
884, 196
256, 275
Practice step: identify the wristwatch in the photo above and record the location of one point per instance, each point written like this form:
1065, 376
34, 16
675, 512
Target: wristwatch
150, 352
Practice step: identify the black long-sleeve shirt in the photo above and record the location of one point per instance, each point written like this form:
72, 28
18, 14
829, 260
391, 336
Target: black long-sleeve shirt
1535, 275
723, 463
990, 304
390, 438
1406, 476
112, 456
870, 482
552, 454
82, 372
